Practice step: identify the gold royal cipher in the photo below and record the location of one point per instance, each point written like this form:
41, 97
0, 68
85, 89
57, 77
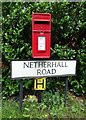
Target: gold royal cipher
40, 84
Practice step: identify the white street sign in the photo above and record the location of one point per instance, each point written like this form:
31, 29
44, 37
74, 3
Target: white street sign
42, 68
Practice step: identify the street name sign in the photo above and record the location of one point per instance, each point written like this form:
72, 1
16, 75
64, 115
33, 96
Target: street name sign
42, 68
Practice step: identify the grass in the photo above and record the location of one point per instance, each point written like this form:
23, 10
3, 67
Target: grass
52, 106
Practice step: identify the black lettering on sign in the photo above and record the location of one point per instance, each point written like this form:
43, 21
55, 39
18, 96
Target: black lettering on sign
25, 64
53, 64
48, 64
39, 72
31, 64
45, 64
46, 72
53, 71
59, 64
63, 64
40, 64
35, 64
66, 65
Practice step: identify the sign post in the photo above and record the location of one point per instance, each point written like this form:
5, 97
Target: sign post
21, 95
42, 68
39, 96
66, 90
39, 85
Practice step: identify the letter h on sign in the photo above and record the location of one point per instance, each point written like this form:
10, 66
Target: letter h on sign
40, 83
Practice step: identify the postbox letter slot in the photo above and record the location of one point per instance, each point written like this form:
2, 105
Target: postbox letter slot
41, 22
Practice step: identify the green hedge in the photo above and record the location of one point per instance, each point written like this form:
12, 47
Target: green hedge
68, 39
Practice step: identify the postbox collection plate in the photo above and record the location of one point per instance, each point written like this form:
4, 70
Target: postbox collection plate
41, 43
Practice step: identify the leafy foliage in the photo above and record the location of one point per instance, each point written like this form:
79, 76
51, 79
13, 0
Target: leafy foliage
51, 107
68, 38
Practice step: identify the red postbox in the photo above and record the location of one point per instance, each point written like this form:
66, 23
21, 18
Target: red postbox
41, 35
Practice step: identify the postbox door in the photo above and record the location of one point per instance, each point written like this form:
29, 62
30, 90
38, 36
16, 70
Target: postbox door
41, 45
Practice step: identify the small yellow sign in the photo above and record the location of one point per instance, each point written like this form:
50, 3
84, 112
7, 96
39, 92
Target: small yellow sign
40, 83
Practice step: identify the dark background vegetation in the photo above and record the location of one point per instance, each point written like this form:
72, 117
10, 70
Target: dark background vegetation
68, 41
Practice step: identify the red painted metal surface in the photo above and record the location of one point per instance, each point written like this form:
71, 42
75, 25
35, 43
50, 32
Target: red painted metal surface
41, 35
